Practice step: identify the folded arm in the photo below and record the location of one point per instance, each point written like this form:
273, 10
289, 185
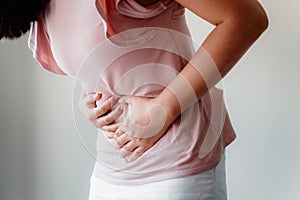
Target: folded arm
238, 24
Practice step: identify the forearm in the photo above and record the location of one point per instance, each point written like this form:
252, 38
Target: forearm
221, 50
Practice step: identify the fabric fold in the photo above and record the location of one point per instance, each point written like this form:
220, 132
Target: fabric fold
122, 15
39, 44
133, 9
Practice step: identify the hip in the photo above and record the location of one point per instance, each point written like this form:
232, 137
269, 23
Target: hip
207, 185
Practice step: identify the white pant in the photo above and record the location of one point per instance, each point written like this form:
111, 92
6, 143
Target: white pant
208, 185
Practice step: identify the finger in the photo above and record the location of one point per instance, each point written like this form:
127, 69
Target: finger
111, 117
125, 100
97, 96
121, 141
128, 148
136, 154
83, 94
105, 107
111, 135
119, 132
111, 127
90, 99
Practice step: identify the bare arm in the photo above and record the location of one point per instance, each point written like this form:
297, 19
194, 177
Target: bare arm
238, 24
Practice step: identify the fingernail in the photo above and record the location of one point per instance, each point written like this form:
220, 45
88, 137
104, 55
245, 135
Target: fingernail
110, 136
96, 96
121, 100
122, 155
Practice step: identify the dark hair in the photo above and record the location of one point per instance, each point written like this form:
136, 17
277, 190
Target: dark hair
16, 16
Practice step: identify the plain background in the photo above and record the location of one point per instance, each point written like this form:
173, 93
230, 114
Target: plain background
42, 157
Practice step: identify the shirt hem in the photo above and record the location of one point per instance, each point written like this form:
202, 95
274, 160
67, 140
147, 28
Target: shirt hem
159, 177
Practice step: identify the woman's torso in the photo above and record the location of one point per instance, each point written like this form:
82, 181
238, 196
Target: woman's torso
112, 48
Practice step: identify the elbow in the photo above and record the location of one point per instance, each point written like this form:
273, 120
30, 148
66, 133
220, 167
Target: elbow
252, 20
258, 25
257, 19
262, 20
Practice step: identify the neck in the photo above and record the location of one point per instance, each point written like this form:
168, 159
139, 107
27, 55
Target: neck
147, 2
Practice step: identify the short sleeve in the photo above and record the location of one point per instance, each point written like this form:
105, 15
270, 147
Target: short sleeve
39, 44
133, 9
122, 15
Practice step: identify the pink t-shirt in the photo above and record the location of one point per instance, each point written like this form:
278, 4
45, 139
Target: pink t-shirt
118, 47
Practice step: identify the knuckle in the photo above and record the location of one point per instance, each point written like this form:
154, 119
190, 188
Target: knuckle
97, 125
99, 111
139, 151
110, 128
126, 148
117, 146
92, 114
90, 117
100, 123
118, 142
119, 132
113, 127
107, 119
119, 110
107, 104
147, 143
90, 98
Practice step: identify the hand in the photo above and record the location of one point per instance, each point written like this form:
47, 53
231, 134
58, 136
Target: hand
102, 117
145, 117
145, 123
132, 148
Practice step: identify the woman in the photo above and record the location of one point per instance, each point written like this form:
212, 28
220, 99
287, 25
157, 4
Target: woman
157, 105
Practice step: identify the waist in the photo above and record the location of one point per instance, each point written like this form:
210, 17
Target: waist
184, 146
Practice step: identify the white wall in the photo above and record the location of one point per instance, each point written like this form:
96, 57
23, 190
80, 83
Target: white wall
263, 97
41, 156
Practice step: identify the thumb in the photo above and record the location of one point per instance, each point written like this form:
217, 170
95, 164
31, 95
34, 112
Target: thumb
125, 99
97, 96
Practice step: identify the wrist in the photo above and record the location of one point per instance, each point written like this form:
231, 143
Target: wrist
170, 104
